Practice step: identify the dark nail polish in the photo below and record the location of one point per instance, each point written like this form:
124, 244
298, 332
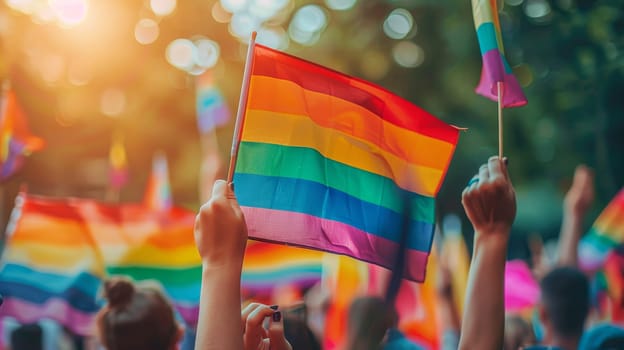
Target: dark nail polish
232, 186
274, 307
277, 316
506, 161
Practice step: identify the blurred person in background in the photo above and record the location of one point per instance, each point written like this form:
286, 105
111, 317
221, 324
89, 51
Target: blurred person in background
136, 318
518, 333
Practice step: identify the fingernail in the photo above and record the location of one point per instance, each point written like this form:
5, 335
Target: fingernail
232, 186
506, 160
277, 316
274, 307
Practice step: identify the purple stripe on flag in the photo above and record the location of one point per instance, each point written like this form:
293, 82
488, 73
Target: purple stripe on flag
330, 236
79, 322
189, 313
493, 72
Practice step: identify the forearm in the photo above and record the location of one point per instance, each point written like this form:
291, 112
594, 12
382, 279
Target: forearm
569, 238
219, 324
484, 309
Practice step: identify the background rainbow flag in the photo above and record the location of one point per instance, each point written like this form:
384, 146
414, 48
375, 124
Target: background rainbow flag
606, 233
158, 192
328, 162
118, 163
212, 111
50, 265
16, 141
61, 250
495, 66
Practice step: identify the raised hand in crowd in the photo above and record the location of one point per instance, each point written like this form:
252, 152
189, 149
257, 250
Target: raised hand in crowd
490, 204
256, 336
220, 236
576, 203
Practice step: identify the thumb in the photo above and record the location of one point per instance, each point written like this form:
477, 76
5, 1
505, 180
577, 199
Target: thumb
276, 333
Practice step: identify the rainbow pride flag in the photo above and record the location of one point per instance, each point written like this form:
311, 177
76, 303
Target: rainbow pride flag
61, 250
50, 266
158, 192
118, 163
212, 111
16, 141
495, 66
606, 233
328, 162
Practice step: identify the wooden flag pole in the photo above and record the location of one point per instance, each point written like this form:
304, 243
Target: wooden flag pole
499, 85
242, 108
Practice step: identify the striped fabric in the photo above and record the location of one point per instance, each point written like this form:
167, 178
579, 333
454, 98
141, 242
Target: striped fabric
495, 66
328, 161
49, 267
61, 250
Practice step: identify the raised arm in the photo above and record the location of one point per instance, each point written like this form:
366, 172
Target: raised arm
490, 204
220, 235
576, 203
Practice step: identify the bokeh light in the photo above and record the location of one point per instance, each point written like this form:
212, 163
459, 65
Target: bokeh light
274, 37
307, 24
207, 53
163, 7
112, 102
398, 24
181, 54
340, 5
242, 25
538, 10
265, 9
310, 18
25, 6
146, 31
220, 14
233, 6
408, 54
69, 12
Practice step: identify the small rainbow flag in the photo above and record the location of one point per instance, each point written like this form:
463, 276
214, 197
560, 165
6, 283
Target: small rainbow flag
328, 162
16, 141
606, 233
118, 162
158, 193
495, 66
212, 112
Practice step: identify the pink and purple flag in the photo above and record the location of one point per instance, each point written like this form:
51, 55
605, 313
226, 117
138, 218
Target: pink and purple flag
495, 66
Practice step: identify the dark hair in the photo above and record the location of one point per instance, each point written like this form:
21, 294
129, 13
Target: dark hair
299, 335
135, 318
27, 337
565, 296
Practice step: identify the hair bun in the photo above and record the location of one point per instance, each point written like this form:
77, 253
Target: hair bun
118, 291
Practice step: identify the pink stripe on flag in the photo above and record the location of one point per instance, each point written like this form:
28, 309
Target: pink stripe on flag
331, 236
55, 309
493, 69
521, 289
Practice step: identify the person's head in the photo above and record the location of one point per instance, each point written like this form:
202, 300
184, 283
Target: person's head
27, 337
564, 303
518, 333
136, 318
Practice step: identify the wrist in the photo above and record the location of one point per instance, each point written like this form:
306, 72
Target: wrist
491, 241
